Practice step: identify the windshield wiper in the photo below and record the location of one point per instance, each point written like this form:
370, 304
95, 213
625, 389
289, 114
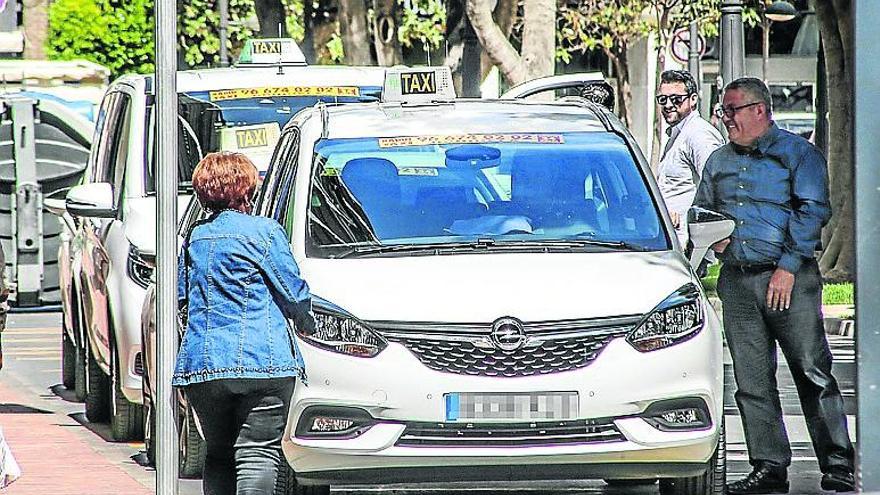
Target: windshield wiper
487, 244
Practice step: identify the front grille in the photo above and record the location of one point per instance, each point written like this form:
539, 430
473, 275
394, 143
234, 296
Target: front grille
509, 434
549, 347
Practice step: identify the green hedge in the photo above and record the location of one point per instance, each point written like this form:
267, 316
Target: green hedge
831, 293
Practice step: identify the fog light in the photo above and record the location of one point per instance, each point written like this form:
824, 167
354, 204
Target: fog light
333, 422
678, 414
323, 424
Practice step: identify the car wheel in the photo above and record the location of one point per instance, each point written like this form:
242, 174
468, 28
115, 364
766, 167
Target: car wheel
149, 432
126, 418
286, 483
79, 379
68, 359
192, 446
97, 391
712, 482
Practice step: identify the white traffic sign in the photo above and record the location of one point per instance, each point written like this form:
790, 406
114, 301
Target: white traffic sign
681, 43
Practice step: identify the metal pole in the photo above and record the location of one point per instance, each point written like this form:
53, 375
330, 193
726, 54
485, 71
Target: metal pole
223, 6
765, 47
732, 42
867, 204
470, 61
694, 54
166, 260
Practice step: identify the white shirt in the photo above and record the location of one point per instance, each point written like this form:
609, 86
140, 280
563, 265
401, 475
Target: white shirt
691, 141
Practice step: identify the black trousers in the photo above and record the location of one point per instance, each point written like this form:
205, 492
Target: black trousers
752, 331
243, 421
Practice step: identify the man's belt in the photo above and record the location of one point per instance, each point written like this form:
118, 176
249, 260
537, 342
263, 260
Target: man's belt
752, 267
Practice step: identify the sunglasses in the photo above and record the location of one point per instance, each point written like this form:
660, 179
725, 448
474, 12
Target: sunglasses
676, 100
730, 111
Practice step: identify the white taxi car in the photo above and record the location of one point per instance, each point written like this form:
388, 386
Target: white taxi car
111, 260
499, 295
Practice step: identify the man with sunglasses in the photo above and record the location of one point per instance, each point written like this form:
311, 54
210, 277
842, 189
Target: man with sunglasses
691, 141
774, 185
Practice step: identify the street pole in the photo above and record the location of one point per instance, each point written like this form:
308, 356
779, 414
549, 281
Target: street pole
694, 55
223, 6
165, 403
732, 42
867, 204
470, 61
765, 47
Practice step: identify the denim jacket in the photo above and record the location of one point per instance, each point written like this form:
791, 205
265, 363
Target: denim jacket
240, 283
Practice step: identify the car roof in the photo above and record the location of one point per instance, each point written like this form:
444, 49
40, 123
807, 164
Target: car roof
460, 117
250, 77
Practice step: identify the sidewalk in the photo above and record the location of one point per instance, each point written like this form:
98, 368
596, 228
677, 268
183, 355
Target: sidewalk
55, 458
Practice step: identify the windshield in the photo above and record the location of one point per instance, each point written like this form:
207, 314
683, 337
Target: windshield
524, 191
246, 120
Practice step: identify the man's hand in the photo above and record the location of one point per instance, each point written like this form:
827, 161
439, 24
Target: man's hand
720, 246
676, 218
779, 290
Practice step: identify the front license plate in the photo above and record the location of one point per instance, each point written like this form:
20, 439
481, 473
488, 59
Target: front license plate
523, 406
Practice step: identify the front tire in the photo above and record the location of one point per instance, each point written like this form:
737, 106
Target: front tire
126, 418
192, 446
712, 482
68, 360
97, 391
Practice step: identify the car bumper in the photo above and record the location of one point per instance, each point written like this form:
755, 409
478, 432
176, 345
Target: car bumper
396, 390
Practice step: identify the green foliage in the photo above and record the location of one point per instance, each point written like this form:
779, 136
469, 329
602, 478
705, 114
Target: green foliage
607, 25
117, 34
334, 46
198, 27
423, 21
838, 294
710, 281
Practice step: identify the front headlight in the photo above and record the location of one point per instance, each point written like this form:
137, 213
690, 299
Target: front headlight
338, 331
678, 318
140, 266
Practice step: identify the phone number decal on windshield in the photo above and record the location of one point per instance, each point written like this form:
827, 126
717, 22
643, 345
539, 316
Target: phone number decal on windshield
241, 93
469, 139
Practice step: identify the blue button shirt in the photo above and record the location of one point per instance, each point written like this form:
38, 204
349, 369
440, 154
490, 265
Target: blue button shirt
241, 285
778, 195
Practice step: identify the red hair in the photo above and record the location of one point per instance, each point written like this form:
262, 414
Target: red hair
225, 180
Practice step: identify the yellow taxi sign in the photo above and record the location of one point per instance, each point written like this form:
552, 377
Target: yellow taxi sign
271, 51
418, 85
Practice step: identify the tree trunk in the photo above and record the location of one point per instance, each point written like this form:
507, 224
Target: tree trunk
624, 92
270, 13
505, 15
495, 42
388, 50
539, 38
355, 34
836, 27
35, 18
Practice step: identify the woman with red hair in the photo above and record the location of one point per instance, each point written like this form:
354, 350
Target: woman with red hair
238, 360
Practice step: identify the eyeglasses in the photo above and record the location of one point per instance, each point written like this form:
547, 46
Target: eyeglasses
676, 100
730, 111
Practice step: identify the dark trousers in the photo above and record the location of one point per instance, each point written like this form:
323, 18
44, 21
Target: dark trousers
243, 421
752, 331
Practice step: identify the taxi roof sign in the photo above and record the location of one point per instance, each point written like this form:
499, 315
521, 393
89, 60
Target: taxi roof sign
271, 51
418, 85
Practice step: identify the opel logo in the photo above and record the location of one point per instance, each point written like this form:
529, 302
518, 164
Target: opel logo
508, 334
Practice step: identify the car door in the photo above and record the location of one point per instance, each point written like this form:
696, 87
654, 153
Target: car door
107, 165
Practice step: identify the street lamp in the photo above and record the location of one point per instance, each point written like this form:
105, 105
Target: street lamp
778, 11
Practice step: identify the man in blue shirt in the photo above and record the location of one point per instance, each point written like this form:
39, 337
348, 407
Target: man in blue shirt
774, 185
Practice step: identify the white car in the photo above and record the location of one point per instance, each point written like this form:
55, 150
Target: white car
499, 295
111, 260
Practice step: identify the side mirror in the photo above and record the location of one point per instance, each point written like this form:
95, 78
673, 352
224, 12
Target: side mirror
705, 228
91, 201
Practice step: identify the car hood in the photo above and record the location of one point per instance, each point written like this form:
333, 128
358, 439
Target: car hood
483, 287
141, 221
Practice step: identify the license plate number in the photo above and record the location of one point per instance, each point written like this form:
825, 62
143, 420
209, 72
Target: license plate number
533, 406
